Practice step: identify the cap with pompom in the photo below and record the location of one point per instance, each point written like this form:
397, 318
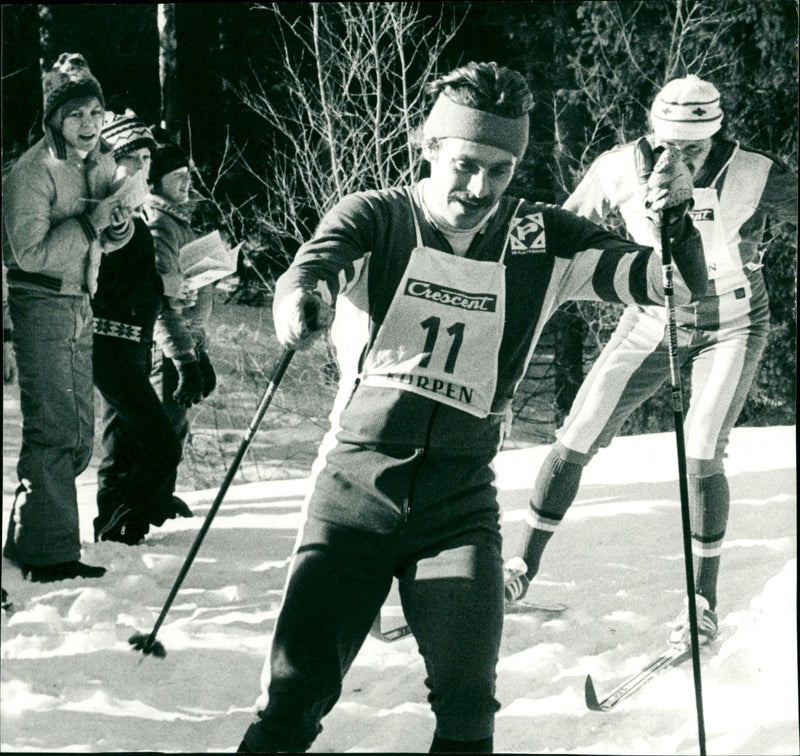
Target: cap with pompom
68, 79
687, 108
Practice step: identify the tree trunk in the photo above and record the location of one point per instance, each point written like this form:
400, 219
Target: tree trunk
46, 56
168, 70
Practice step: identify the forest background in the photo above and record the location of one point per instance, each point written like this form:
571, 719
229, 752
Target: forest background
286, 107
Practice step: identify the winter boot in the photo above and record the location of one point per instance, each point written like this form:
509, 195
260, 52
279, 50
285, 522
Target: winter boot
181, 508
62, 571
123, 527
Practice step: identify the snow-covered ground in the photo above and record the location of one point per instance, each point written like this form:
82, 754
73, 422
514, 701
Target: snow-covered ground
70, 681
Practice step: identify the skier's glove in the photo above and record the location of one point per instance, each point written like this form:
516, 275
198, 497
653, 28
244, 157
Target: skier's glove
207, 371
299, 318
190, 384
669, 186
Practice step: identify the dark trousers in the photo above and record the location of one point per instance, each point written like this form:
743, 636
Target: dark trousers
164, 379
445, 552
141, 452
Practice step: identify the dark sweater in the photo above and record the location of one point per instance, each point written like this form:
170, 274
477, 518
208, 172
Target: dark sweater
128, 287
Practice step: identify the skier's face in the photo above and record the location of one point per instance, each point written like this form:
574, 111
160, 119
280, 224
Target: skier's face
467, 180
693, 151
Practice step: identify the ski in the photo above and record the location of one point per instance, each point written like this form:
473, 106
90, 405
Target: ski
673, 656
387, 636
517, 607
531, 607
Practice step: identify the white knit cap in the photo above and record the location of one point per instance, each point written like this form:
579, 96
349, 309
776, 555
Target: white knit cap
686, 109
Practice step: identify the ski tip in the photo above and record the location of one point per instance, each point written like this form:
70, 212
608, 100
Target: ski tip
590, 695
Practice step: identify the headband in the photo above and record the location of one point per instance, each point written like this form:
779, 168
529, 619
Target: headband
450, 119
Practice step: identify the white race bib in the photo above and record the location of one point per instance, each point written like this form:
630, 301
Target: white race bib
441, 335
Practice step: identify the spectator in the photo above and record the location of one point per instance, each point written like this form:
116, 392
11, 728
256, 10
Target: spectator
59, 216
140, 448
182, 371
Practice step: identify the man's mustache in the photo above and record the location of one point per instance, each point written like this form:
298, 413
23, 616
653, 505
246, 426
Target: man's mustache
468, 199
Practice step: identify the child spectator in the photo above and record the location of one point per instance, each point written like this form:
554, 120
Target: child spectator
59, 216
140, 448
182, 372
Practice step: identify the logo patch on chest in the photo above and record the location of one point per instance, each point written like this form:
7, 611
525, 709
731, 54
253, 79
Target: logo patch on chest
703, 214
527, 235
446, 295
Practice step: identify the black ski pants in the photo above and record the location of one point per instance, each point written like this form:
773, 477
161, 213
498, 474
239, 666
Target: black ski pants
164, 379
431, 521
140, 449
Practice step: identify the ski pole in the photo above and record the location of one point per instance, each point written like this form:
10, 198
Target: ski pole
148, 644
677, 413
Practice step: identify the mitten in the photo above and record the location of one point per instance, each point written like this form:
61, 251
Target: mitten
207, 371
190, 384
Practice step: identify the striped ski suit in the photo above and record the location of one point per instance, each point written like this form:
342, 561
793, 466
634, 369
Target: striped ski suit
722, 336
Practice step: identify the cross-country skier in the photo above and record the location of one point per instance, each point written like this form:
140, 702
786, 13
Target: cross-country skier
441, 290
721, 336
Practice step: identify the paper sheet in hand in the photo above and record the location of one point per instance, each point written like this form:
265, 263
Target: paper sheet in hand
132, 191
207, 259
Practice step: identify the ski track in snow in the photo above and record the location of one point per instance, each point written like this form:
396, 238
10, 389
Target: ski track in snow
70, 681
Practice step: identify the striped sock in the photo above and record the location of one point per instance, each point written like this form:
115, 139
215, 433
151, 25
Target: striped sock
555, 489
710, 501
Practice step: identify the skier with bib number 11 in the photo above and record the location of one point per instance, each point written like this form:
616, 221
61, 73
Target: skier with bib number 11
440, 291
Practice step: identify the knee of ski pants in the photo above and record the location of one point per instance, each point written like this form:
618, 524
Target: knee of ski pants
54, 358
454, 603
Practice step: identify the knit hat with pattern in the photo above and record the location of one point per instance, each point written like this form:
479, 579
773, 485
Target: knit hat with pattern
68, 79
687, 109
126, 133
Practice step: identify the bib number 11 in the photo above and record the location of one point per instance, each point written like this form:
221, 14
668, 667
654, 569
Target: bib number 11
456, 332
